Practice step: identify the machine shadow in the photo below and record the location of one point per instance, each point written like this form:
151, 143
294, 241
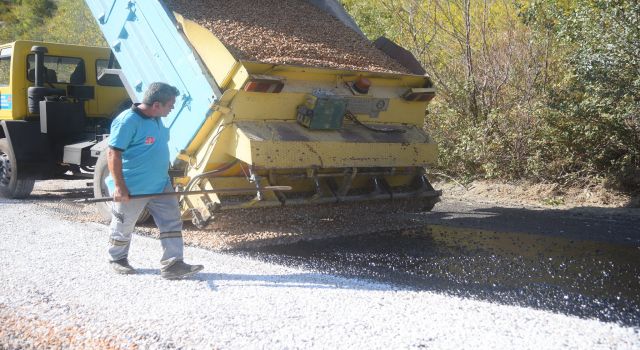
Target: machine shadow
581, 262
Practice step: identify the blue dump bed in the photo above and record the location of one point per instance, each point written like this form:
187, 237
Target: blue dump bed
146, 41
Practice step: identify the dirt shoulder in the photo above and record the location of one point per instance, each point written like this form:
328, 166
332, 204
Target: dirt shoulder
547, 196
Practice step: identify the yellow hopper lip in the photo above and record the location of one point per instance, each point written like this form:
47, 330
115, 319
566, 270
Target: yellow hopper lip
285, 145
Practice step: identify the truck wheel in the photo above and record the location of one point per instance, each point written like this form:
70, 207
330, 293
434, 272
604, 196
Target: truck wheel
11, 185
100, 173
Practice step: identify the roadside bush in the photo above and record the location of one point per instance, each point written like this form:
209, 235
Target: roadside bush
593, 124
544, 90
501, 146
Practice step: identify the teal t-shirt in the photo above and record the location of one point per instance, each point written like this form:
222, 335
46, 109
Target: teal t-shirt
143, 142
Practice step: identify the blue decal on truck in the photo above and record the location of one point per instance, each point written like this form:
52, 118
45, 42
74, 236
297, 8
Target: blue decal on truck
5, 101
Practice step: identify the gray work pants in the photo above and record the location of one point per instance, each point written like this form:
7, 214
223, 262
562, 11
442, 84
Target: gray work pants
166, 214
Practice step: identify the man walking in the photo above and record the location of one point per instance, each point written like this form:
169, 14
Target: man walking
138, 162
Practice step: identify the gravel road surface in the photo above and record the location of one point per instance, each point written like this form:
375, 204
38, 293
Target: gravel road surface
58, 292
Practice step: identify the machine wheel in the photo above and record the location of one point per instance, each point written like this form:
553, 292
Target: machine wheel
11, 185
101, 171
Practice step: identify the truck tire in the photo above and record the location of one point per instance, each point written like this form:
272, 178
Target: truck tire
11, 185
100, 189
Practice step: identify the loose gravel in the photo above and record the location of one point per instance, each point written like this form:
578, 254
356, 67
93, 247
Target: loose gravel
286, 32
58, 292
248, 228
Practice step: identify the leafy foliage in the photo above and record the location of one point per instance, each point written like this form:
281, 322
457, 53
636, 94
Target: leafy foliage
24, 19
67, 21
595, 109
84, 30
546, 90
373, 22
487, 66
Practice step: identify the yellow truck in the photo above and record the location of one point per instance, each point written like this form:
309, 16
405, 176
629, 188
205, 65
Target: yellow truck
55, 104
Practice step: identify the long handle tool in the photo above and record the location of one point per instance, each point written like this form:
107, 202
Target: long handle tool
188, 193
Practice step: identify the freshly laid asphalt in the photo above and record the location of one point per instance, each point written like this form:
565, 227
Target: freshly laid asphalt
584, 278
56, 288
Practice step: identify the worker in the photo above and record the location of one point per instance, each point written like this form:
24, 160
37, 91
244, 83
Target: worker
138, 161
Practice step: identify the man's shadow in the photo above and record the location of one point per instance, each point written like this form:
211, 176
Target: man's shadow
312, 281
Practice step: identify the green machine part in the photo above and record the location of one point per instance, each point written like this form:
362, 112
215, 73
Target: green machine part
322, 113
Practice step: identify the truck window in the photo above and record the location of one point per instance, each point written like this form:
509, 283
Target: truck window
107, 79
5, 69
66, 70
5, 65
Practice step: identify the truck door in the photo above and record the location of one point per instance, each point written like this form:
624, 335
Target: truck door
6, 97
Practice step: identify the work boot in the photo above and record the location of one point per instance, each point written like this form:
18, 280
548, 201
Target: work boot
180, 269
122, 267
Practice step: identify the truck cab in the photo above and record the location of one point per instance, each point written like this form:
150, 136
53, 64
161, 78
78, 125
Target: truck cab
55, 103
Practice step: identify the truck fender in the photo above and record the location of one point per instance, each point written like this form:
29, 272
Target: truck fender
30, 147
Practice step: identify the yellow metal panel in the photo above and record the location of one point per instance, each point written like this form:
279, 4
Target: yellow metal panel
239, 78
107, 99
281, 145
400, 111
17, 87
264, 106
283, 106
333, 154
240, 147
220, 62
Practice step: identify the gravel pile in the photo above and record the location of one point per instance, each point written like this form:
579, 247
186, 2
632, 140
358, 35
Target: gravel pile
285, 32
23, 330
